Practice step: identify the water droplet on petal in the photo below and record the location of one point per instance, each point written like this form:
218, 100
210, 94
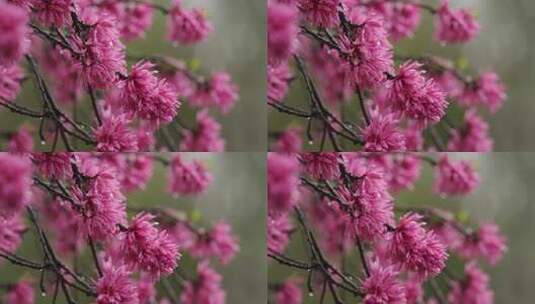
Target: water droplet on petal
43, 294
43, 142
310, 294
310, 142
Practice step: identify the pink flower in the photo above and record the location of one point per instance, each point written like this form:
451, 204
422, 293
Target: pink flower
133, 18
103, 56
146, 290
115, 136
402, 19
321, 13
186, 27
336, 226
289, 141
15, 183
487, 242
115, 286
330, 69
21, 293
368, 53
282, 179
473, 136
454, 178
473, 289
187, 178
218, 242
278, 232
282, 31
382, 135
11, 229
10, 78
219, 91
60, 217
324, 165
370, 204
148, 96
278, 77
414, 140
13, 43
449, 83
289, 293
52, 12
382, 286
403, 172
416, 249
183, 234
457, 26
413, 289
65, 74
487, 90
137, 172
103, 204
21, 142
206, 289
416, 96
53, 165
136, 21
145, 247
182, 82
206, 138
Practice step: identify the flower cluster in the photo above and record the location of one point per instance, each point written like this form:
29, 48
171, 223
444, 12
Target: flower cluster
75, 53
346, 204
345, 53
76, 204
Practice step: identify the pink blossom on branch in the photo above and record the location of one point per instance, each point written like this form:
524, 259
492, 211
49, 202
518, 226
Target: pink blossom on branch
11, 229
187, 178
382, 287
205, 289
21, 142
147, 96
206, 137
53, 12
455, 26
415, 96
13, 31
454, 178
322, 13
282, 31
10, 78
218, 91
15, 182
116, 286
416, 249
21, 293
147, 248
289, 293
186, 26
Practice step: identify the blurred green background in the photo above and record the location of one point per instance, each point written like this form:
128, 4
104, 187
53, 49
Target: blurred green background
504, 196
506, 44
237, 45
237, 195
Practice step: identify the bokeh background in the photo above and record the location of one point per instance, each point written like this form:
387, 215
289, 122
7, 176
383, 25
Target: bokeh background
237, 195
237, 45
504, 196
505, 44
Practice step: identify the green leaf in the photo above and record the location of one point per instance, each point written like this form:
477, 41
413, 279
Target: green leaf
196, 215
462, 63
194, 64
